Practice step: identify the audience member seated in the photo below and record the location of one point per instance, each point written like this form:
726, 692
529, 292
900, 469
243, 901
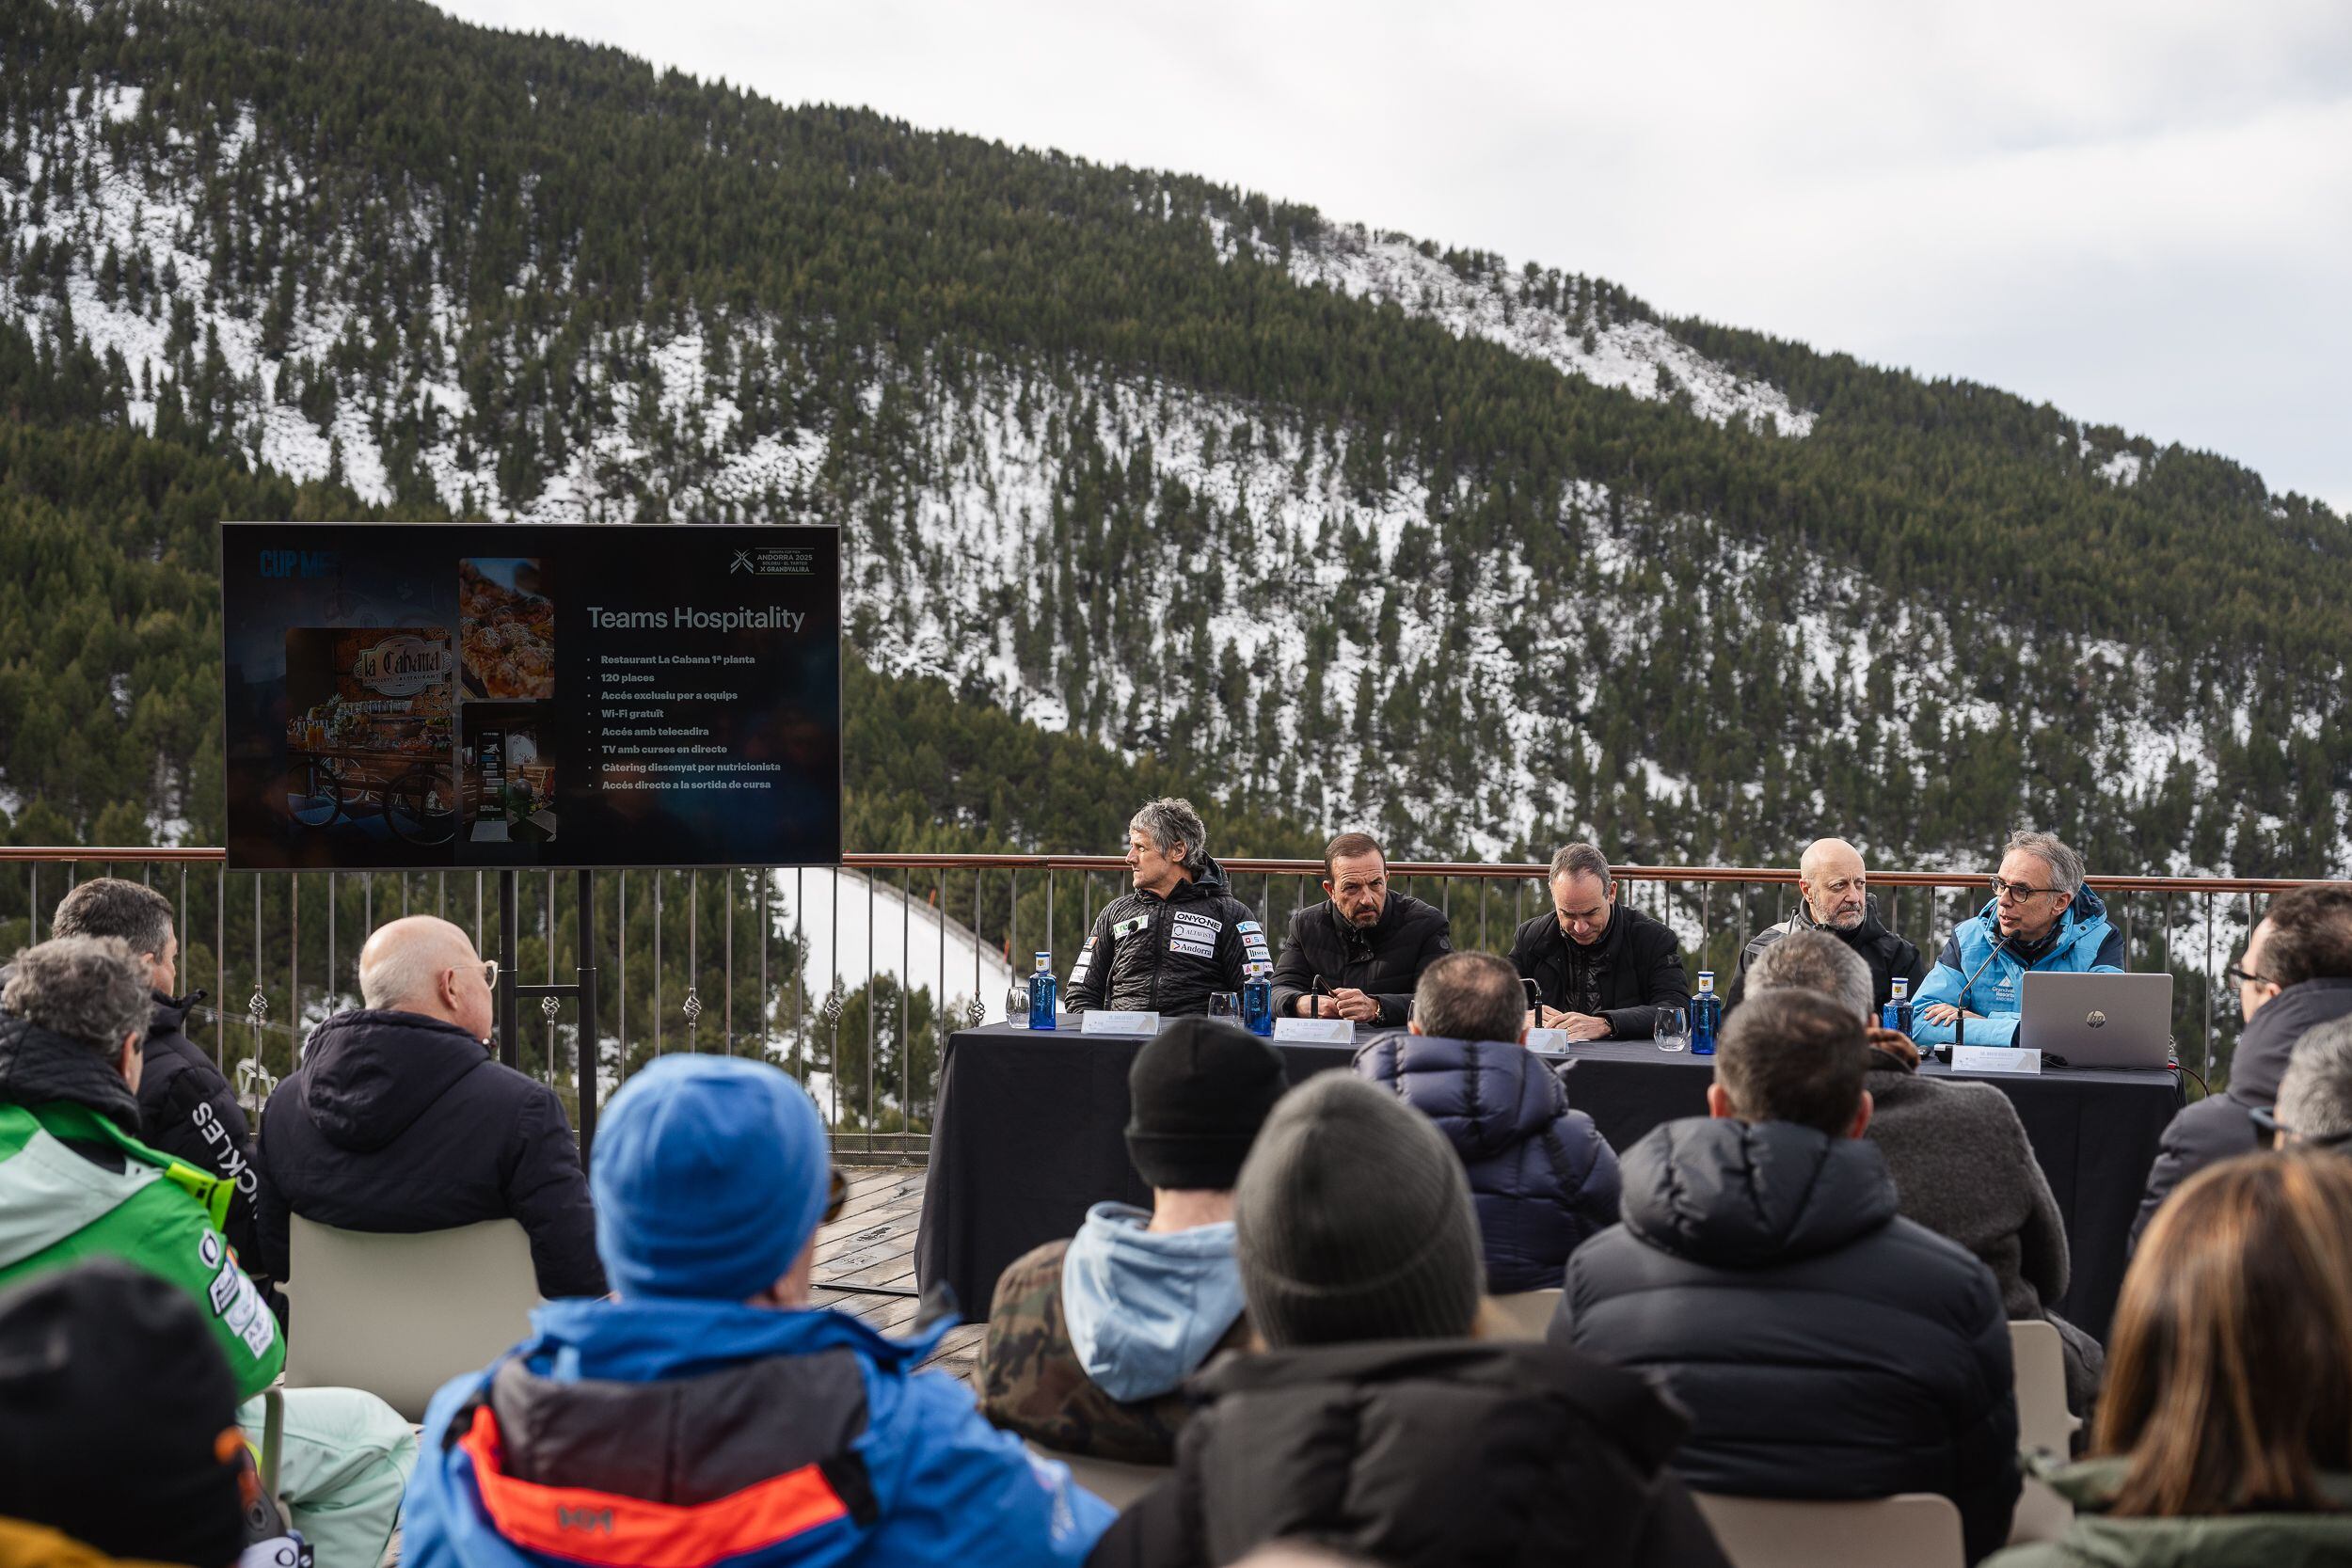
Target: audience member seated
2296, 973
1358, 954
2314, 1110
1601, 970
1089, 1339
1961, 1161
2041, 916
1824, 1346
1542, 1177
1178, 937
400, 1120
75, 1182
185, 1107
119, 1434
2224, 1435
706, 1412
1373, 1424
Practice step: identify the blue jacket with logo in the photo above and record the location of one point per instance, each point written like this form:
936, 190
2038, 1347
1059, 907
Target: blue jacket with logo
2083, 941
624, 1433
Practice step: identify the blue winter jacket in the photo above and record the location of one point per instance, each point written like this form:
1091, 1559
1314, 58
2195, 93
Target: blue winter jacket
2085, 941
1542, 1177
643, 1431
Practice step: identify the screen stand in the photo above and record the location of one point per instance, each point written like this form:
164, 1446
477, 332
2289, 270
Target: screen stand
511, 991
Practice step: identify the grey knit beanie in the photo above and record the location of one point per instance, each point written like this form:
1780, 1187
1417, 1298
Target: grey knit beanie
1353, 1221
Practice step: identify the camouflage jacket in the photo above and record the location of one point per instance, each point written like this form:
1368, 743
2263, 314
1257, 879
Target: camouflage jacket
1031, 1382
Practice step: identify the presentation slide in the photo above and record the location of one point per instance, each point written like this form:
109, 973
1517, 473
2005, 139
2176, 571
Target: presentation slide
418, 694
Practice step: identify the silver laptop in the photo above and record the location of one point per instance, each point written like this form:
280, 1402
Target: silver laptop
2109, 1021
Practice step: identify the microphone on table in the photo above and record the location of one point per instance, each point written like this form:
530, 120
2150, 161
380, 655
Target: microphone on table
1959, 1019
1316, 996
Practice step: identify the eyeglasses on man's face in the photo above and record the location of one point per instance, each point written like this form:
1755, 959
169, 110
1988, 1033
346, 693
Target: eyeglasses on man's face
2269, 1132
490, 972
2238, 975
2006, 892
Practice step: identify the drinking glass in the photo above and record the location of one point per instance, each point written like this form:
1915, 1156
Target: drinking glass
1017, 1004
1225, 1005
1672, 1032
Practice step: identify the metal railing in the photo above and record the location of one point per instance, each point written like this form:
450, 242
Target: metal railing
852, 979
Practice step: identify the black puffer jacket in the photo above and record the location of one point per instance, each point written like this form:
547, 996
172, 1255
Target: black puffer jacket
1421, 1455
1634, 968
1542, 1177
1824, 1346
187, 1111
1384, 962
399, 1122
1149, 954
1888, 955
2216, 1127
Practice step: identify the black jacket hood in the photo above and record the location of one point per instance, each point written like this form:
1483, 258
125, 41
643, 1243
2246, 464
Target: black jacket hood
2263, 1050
371, 1072
1744, 1194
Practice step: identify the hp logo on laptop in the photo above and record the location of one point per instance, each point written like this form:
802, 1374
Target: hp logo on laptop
2095, 1019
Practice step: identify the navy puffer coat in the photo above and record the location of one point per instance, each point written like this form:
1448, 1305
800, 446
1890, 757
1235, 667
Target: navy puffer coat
1542, 1177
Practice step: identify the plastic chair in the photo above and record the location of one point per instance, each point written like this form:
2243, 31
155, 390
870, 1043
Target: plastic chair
1526, 1314
1916, 1530
400, 1315
1115, 1482
2039, 1361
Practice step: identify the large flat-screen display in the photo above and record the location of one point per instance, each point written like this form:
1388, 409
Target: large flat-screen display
413, 694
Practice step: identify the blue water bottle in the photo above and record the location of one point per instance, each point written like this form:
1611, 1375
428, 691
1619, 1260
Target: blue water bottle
1041, 993
1895, 1015
1706, 1016
1257, 1001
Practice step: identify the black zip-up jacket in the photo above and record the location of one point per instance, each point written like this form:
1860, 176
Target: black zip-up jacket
1635, 968
398, 1122
186, 1111
2217, 1127
1420, 1454
1888, 955
1149, 954
1384, 962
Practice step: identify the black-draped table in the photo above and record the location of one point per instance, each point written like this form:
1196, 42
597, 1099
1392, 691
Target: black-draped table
1029, 1133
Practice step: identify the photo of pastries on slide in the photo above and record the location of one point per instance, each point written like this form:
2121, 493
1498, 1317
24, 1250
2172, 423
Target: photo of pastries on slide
506, 629
510, 759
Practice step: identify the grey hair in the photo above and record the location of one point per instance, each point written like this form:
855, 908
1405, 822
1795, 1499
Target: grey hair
1582, 860
2315, 1095
1815, 961
2066, 867
90, 989
1175, 830
110, 906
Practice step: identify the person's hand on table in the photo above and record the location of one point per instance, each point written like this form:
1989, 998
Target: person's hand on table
1318, 1006
1894, 1044
1353, 1006
1944, 1012
1581, 1026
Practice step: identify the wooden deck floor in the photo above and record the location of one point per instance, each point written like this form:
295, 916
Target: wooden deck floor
873, 1243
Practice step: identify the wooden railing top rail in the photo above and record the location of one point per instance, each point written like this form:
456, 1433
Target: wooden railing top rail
1254, 865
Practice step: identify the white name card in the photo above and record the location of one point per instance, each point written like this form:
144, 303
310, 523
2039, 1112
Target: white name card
1548, 1042
1996, 1058
1320, 1031
1099, 1022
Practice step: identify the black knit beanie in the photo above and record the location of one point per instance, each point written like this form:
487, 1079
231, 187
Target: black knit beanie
113, 1400
1353, 1221
1200, 1089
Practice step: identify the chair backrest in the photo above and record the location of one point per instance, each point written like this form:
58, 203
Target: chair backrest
1526, 1314
400, 1315
1917, 1529
2039, 1362
1116, 1483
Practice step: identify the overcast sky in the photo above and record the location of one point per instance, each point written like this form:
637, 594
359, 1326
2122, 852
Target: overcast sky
2142, 214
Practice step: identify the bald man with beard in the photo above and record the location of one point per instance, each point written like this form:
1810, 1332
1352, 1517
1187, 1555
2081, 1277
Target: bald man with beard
400, 1118
1834, 896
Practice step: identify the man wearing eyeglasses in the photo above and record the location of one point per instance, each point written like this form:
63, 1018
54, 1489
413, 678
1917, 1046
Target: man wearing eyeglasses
399, 1119
2041, 916
2294, 979
1833, 897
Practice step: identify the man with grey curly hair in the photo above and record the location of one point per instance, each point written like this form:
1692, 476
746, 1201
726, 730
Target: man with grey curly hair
2315, 1095
2041, 916
1178, 936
